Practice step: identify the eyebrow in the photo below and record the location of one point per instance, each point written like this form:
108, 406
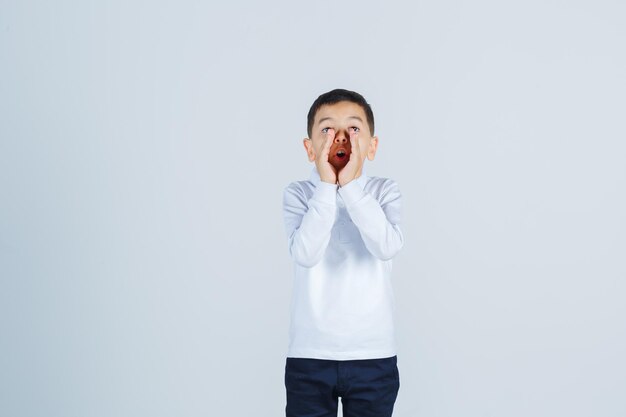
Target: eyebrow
330, 118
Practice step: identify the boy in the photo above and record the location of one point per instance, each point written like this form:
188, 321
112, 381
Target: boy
343, 230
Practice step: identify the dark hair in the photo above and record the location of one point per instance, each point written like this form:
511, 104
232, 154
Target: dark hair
335, 96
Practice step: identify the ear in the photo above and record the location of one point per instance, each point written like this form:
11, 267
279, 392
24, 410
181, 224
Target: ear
308, 145
371, 149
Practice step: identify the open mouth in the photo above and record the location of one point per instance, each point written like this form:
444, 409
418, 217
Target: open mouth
341, 153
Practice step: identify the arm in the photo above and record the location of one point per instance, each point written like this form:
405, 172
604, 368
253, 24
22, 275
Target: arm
308, 224
378, 222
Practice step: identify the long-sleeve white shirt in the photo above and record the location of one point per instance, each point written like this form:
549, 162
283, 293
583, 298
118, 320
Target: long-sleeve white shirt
342, 240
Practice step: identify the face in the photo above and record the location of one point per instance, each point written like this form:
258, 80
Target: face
342, 117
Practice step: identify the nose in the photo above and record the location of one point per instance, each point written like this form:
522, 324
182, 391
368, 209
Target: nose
341, 137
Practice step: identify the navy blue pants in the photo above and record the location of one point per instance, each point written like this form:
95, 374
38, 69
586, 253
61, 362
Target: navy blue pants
367, 387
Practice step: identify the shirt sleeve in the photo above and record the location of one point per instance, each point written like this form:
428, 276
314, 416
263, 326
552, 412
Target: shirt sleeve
377, 221
309, 223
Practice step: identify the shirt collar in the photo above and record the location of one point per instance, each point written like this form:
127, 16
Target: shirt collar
362, 180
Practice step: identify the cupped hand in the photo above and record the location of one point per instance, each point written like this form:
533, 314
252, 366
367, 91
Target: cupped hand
327, 172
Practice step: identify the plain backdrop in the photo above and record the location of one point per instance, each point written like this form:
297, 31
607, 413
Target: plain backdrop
145, 146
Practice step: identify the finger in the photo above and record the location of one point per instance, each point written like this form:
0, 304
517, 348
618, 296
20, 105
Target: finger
354, 143
330, 135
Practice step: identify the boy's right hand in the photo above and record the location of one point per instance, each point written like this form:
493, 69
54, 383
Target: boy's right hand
327, 172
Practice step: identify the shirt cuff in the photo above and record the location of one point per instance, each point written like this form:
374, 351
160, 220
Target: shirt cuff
351, 192
325, 192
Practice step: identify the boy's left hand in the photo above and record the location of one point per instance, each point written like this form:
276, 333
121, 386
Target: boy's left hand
348, 173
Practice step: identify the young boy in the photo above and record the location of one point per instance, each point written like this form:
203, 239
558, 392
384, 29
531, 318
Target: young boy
343, 230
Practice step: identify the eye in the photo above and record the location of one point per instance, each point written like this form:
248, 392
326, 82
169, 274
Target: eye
356, 129
325, 130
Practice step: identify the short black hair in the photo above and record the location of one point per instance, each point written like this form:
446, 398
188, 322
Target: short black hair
335, 96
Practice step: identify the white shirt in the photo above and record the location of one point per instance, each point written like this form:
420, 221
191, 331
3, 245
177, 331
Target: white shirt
341, 240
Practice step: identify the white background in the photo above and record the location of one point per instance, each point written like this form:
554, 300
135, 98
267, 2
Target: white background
144, 148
